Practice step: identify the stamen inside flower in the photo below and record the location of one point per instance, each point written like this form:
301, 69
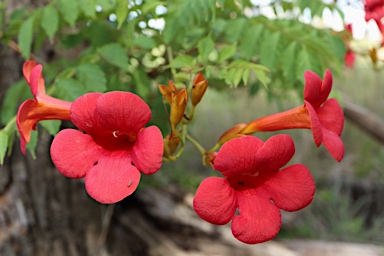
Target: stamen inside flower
131, 137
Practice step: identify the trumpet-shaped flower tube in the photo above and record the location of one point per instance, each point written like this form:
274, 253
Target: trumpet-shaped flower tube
323, 116
115, 147
254, 185
42, 107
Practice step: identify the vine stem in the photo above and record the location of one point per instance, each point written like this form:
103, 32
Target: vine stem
170, 59
196, 144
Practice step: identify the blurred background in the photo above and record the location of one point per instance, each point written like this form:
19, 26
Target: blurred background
254, 54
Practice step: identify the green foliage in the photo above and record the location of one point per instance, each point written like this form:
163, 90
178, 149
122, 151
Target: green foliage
3, 145
50, 21
25, 37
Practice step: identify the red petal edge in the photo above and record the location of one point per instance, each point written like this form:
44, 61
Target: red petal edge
147, 152
215, 201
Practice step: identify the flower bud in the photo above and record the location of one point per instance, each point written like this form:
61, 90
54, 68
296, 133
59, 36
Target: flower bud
167, 92
198, 89
178, 106
234, 132
210, 158
171, 142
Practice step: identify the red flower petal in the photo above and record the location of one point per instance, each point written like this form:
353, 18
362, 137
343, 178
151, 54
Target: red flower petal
315, 123
31, 112
237, 156
215, 201
292, 188
276, 152
147, 152
32, 74
317, 91
113, 178
74, 153
259, 219
24, 123
131, 115
331, 116
333, 144
83, 113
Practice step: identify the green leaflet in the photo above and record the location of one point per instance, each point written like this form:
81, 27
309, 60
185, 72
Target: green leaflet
269, 50
92, 76
50, 21
88, 7
121, 12
227, 52
115, 54
288, 61
182, 61
25, 37
249, 42
205, 47
3, 145
69, 89
142, 83
52, 126
69, 10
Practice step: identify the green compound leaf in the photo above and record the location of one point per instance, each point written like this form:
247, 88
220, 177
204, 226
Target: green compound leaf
92, 76
115, 54
50, 21
69, 10
25, 37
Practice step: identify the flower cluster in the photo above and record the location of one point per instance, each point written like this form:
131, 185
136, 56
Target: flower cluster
111, 147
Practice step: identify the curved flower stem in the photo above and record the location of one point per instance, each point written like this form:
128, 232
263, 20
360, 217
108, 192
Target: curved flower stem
196, 144
190, 117
216, 147
170, 59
